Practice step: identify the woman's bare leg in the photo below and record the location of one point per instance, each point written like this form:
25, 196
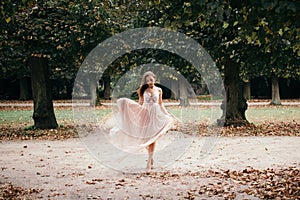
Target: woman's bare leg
150, 156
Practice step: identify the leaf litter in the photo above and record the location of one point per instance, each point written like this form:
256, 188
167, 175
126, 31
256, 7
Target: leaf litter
272, 183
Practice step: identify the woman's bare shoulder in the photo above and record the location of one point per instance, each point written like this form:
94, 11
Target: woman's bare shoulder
159, 89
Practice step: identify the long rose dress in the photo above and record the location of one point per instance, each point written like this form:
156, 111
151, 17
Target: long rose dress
137, 126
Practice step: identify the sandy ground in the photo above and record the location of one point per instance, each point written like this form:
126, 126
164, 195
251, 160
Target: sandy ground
69, 170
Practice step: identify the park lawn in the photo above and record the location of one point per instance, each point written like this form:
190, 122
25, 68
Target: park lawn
254, 115
16, 123
25, 116
273, 114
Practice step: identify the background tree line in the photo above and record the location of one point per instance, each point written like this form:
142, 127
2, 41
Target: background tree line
45, 42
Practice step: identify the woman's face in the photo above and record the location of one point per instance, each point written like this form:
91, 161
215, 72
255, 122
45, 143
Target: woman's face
150, 80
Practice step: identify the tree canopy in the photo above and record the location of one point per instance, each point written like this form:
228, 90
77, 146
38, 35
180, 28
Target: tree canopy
262, 36
63, 31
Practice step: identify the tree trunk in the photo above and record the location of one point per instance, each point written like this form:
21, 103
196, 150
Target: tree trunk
69, 90
174, 89
43, 114
247, 90
93, 89
107, 88
234, 104
275, 91
24, 88
183, 93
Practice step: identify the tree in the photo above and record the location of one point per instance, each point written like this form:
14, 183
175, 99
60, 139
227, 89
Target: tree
235, 101
61, 33
43, 114
271, 34
212, 24
237, 33
12, 56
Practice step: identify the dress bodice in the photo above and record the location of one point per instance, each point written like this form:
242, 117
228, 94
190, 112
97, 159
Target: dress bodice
151, 98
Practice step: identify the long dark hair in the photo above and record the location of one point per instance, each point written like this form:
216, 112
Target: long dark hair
144, 86
142, 89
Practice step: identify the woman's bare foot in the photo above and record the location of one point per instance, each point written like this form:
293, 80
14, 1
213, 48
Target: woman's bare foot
150, 164
150, 149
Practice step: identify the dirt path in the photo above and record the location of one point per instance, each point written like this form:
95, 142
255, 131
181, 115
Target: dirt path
66, 170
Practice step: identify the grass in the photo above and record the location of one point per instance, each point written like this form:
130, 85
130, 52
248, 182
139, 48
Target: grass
196, 113
25, 116
17, 116
273, 113
16, 123
253, 114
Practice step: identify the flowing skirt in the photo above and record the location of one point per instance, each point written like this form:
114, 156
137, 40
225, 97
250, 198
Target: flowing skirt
137, 126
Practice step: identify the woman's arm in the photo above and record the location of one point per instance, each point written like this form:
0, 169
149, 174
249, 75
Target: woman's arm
140, 95
160, 101
141, 100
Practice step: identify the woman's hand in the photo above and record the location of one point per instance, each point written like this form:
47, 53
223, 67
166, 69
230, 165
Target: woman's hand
141, 98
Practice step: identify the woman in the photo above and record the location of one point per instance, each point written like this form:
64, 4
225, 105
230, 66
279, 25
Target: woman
139, 125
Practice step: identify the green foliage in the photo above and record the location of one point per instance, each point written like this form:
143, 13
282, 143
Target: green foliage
262, 36
272, 36
63, 31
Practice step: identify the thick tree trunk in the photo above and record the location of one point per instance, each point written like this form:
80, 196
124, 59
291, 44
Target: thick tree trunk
69, 90
247, 90
234, 105
183, 93
275, 91
107, 88
43, 114
24, 88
